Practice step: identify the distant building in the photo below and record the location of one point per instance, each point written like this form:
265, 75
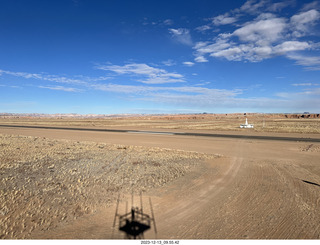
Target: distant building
246, 125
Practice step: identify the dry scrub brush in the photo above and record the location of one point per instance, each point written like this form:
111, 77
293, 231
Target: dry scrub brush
45, 181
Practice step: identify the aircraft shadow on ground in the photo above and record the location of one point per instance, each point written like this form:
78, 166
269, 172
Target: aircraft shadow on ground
311, 183
136, 222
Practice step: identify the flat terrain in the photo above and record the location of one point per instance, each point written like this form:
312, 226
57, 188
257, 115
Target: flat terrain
64, 184
276, 123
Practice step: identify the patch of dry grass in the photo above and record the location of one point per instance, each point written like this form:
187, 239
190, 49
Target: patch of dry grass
45, 182
273, 123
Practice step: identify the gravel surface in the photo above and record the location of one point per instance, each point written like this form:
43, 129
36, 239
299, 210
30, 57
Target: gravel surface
45, 182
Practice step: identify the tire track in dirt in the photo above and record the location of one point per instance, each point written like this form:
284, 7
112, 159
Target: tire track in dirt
270, 204
301, 199
238, 213
264, 205
187, 212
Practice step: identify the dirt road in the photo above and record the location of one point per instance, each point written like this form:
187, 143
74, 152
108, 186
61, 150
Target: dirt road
258, 189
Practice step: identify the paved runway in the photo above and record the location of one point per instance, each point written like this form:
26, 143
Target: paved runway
253, 137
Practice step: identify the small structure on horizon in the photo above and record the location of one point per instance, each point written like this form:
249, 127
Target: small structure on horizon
246, 125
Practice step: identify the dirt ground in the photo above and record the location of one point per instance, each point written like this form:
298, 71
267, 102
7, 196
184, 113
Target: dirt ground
64, 185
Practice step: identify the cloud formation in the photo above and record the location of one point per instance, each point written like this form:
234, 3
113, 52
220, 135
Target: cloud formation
181, 35
223, 19
303, 22
152, 75
197, 96
201, 97
188, 63
265, 29
265, 36
82, 80
309, 62
305, 84
61, 88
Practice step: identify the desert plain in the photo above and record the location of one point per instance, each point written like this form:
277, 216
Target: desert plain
67, 184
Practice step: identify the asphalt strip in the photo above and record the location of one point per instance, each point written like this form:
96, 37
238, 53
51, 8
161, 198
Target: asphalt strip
252, 137
150, 132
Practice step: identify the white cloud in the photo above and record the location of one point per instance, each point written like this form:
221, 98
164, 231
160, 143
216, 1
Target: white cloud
251, 51
191, 96
61, 88
157, 91
307, 98
54, 78
145, 73
203, 48
223, 19
188, 63
200, 59
234, 53
228, 50
11, 86
305, 84
181, 35
203, 28
161, 80
311, 5
305, 17
244, 52
148, 74
197, 97
200, 97
23, 74
253, 6
264, 37
127, 89
138, 69
202, 84
267, 30
261, 52
168, 22
310, 62
302, 23
169, 63
276, 7
289, 46
157, 23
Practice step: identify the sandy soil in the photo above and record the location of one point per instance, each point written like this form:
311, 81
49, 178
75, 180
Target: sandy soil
66, 185
44, 182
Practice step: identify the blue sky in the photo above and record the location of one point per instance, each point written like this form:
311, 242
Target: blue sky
106, 57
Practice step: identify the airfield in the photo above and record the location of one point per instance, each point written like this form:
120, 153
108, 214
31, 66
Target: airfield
61, 178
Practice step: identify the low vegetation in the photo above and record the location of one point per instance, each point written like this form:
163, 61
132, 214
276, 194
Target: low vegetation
45, 182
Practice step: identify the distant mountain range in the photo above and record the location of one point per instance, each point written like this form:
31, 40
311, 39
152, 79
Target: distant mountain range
66, 115
176, 116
